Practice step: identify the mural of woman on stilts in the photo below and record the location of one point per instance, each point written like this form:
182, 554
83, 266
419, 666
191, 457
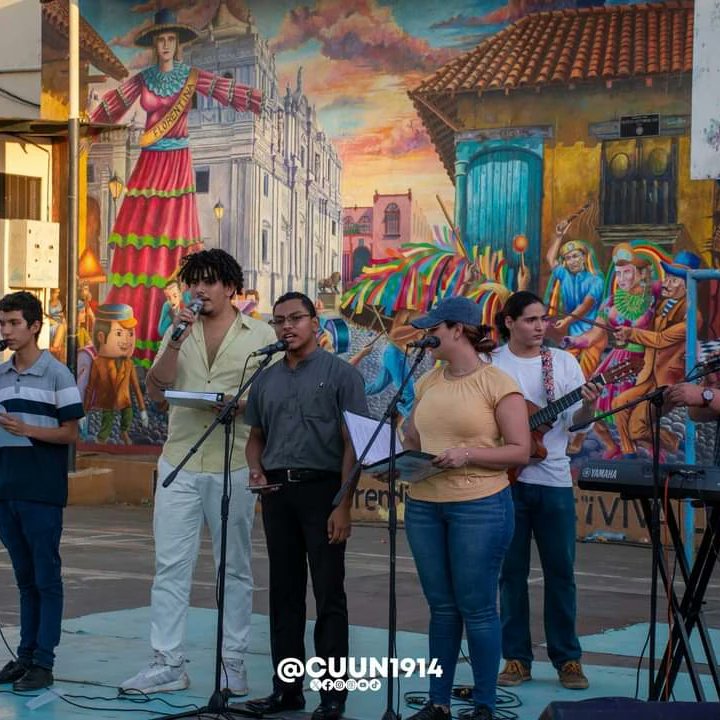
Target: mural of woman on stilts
158, 221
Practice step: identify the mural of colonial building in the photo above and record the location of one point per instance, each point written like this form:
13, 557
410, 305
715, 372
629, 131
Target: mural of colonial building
587, 106
369, 232
268, 189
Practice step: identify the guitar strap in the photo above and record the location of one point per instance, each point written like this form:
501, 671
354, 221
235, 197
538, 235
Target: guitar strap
547, 374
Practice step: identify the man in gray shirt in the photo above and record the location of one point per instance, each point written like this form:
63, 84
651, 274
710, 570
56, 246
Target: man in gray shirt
300, 449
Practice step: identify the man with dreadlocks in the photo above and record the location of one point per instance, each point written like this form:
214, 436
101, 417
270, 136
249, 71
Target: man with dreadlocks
209, 356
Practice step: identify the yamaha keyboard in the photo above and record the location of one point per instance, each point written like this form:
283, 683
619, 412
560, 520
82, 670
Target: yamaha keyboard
634, 479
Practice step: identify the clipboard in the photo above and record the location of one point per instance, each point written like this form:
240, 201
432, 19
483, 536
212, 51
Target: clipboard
411, 466
195, 400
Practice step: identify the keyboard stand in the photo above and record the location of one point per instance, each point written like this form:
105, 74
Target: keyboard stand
687, 612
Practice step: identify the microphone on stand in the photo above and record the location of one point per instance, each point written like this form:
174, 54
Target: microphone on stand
429, 341
278, 346
194, 307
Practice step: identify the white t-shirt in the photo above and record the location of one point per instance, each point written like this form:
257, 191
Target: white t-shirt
567, 375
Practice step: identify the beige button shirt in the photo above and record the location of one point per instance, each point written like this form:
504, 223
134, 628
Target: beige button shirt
186, 425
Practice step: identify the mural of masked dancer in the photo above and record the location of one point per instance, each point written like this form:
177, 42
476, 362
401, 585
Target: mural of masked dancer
158, 221
631, 304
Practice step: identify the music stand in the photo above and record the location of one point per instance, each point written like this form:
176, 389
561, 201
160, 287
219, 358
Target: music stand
218, 703
391, 414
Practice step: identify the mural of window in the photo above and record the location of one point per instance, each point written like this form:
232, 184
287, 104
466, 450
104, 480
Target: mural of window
202, 180
302, 156
266, 185
364, 224
334, 228
392, 219
317, 166
20, 197
264, 246
639, 182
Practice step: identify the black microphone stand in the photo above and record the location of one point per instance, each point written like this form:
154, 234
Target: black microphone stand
391, 414
218, 704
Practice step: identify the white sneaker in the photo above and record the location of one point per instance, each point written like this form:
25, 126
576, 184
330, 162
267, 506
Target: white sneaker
233, 677
158, 677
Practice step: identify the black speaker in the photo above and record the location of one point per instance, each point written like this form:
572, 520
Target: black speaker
620, 708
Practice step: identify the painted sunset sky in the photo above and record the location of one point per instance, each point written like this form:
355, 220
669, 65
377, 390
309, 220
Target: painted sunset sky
359, 58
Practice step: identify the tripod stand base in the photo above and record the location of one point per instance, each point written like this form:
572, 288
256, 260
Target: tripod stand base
390, 715
217, 707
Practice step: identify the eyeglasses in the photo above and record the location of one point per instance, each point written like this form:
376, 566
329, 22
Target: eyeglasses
294, 319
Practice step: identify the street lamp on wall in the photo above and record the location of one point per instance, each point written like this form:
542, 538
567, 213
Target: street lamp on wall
219, 210
115, 185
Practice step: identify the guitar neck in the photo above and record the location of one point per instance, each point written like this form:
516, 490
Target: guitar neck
548, 414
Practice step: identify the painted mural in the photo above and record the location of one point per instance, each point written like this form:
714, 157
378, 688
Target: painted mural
380, 156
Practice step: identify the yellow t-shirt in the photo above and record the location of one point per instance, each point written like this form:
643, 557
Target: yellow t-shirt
460, 412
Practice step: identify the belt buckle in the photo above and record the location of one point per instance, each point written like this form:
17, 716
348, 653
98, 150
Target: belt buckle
290, 477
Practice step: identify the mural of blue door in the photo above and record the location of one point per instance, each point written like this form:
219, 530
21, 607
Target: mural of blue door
503, 200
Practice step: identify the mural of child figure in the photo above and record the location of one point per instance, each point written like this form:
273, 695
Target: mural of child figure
157, 222
112, 376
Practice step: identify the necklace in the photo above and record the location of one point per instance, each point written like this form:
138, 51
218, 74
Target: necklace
449, 374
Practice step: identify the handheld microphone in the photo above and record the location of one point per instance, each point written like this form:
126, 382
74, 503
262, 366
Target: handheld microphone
278, 346
194, 307
429, 341
3, 344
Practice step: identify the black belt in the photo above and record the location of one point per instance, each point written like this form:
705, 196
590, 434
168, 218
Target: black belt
299, 475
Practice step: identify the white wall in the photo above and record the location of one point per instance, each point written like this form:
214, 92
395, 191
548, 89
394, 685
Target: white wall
20, 57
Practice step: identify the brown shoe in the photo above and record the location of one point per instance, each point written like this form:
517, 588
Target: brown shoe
571, 676
514, 673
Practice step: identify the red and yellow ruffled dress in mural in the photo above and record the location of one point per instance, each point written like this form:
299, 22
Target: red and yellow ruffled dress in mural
158, 221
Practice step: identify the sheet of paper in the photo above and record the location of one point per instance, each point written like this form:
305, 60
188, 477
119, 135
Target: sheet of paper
361, 429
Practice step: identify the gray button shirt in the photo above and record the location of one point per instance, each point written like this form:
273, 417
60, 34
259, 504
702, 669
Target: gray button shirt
300, 411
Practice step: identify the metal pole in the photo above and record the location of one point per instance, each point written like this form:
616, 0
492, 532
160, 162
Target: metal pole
73, 192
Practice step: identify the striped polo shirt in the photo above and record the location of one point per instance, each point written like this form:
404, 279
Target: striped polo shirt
44, 395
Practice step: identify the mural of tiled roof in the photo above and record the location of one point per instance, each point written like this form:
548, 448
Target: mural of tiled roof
570, 47
567, 46
92, 47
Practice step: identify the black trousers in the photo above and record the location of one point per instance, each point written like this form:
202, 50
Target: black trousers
295, 520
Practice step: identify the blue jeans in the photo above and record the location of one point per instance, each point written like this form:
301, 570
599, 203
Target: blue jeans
548, 514
458, 549
31, 533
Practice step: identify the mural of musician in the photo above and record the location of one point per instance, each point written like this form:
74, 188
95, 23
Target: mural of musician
663, 360
631, 303
113, 378
575, 290
157, 222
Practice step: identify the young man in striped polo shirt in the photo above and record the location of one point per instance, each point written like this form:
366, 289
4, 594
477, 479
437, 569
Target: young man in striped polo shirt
39, 411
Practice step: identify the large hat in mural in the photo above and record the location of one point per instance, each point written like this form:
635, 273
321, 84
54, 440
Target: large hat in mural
682, 262
165, 21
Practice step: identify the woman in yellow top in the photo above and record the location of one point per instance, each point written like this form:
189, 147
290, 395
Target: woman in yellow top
459, 523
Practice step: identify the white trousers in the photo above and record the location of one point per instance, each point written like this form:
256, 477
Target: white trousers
177, 525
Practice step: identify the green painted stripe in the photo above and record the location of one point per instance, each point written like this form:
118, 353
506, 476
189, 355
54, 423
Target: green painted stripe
118, 280
150, 241
152, 192
153, 345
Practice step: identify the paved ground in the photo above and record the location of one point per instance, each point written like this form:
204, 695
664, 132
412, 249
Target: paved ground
108, 565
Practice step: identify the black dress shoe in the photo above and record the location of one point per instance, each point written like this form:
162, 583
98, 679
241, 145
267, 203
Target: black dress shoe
276, 703
13, 671
329, 710
35, 678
